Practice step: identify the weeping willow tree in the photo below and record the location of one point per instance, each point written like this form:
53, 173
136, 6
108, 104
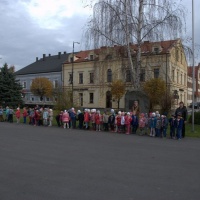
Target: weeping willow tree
123, 22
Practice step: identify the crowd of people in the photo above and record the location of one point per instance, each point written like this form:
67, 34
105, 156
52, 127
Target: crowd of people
153, 124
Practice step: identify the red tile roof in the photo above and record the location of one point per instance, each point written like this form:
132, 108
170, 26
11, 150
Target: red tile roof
146, 47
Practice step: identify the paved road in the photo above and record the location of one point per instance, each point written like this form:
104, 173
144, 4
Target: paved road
50, 163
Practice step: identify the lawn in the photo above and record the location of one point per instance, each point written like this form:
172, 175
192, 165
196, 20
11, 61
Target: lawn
190, 133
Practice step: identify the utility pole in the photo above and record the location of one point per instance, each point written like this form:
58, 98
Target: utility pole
193, 67
73, 73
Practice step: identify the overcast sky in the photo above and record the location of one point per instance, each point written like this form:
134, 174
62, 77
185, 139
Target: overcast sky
31, 28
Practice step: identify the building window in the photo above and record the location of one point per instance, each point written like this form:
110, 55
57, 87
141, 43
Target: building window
128, 75
81, 99
91, 57
177, 55
156, 73
156, 50
173, 75
71, 59
181, 78
181, 57
47, 99
24, 84
55, 83
142, 75
70, 79
109, 75
177, 78
91, 77
80, 78
91, 97
32, 99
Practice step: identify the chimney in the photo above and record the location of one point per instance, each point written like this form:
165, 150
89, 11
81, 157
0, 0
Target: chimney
59, 55
44, 57
36, 59
64, 52
49, 55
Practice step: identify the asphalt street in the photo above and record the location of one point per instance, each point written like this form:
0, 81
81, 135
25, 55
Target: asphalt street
51, 163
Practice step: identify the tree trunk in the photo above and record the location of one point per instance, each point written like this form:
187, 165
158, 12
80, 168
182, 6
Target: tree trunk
133, 77
118, 104
139, 42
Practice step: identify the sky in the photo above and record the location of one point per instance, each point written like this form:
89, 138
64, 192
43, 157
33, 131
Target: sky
31, 28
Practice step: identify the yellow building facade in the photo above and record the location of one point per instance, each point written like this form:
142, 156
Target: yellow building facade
94, 70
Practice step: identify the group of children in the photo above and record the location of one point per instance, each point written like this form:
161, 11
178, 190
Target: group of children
154, 124
36, 116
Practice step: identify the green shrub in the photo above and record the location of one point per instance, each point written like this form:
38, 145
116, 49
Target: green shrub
196, 118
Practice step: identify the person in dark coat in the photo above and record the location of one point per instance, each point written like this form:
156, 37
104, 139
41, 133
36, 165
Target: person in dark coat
183, 111
80, 119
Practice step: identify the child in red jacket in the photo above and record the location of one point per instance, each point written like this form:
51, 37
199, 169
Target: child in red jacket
142, 123
17, 114
98, 120
128, 120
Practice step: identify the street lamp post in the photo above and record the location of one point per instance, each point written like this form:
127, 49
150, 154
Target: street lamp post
193, 68
72, 78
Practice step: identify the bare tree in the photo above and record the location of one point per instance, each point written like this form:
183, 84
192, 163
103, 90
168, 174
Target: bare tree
122, 22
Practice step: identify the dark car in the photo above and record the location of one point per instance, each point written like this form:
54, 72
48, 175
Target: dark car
196, 105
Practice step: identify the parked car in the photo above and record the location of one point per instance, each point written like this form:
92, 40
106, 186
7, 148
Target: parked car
196, 105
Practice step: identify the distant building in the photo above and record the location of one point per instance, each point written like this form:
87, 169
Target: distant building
49, 67
196, 83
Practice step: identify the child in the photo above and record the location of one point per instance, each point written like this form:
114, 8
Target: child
25, 114
10, 115
86, 119
92, 119
17, 114
146, 128
45, 117
122, 122
98, 120
134, 122
111, 120
80, 118
118, 122
141, 124
105, 120
1, 114
172, 124
153, 125
36, 118
50, 117
164, 124
65, 119
158, 125
179, 126
128, 120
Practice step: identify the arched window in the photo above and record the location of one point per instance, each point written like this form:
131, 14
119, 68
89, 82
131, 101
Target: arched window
108, 99
109, 75
128, 75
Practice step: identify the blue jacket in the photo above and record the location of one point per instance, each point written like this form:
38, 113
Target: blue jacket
134, 121
153, 122
172, 122
179, 123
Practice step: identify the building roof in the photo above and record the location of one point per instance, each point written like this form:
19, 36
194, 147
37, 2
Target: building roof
147, 47
190, 70
46, 64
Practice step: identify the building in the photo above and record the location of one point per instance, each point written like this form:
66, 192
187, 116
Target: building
90, 72
196, 83
48, 66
